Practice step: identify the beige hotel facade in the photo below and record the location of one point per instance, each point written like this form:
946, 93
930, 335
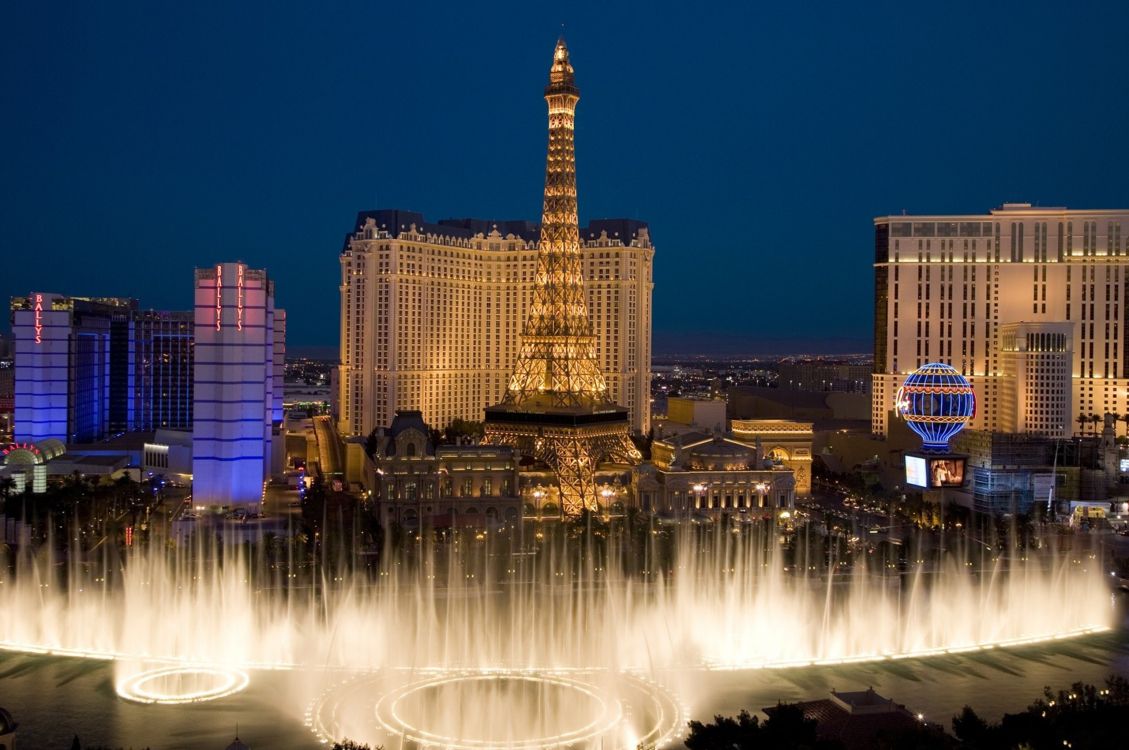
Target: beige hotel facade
1029, 303
432, 314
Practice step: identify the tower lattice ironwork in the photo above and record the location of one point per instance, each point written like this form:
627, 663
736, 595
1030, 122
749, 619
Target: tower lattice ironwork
556, 407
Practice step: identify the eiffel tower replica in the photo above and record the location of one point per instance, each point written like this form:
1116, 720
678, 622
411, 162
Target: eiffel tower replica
557, 408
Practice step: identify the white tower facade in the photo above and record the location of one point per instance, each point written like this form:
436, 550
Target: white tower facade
234, 376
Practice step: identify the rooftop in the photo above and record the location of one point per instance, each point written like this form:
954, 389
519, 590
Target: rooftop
397, 221
1006, 209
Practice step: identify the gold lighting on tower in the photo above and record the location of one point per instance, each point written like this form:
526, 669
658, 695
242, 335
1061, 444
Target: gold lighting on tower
556, 408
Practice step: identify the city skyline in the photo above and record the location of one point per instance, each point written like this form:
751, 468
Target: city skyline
265, 146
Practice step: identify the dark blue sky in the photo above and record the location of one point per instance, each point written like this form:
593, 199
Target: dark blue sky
758, 141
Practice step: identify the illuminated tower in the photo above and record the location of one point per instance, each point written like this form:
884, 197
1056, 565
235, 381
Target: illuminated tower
234, 373
556, 407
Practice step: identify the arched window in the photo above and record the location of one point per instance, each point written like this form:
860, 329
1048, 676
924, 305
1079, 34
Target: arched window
410, 451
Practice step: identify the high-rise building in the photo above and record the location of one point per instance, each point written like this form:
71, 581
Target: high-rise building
556, 407
234, 384
90, 368
951, 288
432, 314
62, 363
1035, 362
158, 386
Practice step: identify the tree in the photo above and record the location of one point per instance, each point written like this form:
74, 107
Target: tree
350, 745
725, 732
463, 428
372, 441
7, 486
969, 728
1081, 716
786, 728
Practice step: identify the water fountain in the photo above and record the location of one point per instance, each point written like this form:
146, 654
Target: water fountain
575, 639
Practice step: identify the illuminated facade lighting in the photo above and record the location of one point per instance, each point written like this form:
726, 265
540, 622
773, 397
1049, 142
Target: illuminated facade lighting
89, 368
238, 361
556, 407
953, 288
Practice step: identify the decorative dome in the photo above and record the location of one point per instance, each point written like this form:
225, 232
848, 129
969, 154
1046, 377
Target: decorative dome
936, 401
720, 454
51, 448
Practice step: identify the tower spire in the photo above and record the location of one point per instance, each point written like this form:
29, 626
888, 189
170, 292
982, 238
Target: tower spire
557, 406
556, 364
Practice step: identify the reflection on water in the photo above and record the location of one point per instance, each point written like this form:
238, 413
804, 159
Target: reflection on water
55, 698
615, 606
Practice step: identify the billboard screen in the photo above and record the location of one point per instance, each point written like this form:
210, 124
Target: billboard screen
946, 472
916, 472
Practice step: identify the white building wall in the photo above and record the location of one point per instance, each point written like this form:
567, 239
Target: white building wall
233, 376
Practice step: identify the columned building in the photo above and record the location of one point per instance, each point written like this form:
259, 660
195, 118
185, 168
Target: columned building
703, 474
953, 289
419, 483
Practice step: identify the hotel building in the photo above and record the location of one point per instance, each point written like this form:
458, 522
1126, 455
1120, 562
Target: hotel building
90, 368
237, 358
432, 314
1028, 303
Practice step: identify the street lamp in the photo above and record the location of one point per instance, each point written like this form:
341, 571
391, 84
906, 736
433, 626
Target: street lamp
699, 491
605, 494
762, 490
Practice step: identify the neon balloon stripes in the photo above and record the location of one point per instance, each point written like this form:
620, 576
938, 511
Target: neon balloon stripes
936, 402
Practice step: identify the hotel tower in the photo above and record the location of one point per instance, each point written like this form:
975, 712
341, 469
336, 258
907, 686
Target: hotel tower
1030, 304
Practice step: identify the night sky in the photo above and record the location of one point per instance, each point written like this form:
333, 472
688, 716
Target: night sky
759, 142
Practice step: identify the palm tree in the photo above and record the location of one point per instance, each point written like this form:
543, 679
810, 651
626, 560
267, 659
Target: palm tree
7, 484
1082, 420
1096, 420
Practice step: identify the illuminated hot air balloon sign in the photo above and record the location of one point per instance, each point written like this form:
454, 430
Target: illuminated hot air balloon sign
936, 402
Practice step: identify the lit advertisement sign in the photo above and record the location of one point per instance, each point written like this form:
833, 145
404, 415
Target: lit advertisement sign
39, 318
933, 472
219, 296
946, 472
1125, 465
239, 297
916, 472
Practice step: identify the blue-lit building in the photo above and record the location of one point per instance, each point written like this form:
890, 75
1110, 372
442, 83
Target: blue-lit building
237, 361
90, 368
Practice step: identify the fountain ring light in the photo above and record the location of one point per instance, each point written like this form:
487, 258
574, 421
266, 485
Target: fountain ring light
146, 687
391, 715
626, 709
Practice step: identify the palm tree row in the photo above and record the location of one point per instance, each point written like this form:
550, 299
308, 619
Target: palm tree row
1093, 420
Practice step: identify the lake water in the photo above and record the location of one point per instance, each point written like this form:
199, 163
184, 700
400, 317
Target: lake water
54, 698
